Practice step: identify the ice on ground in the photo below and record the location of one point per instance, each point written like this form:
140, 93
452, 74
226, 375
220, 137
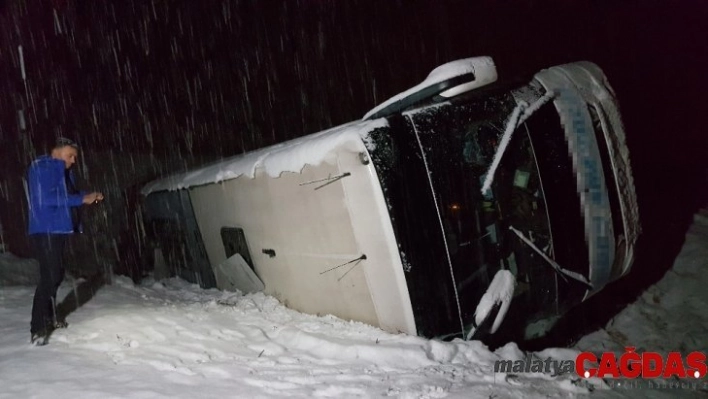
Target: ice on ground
172, 339
670, 315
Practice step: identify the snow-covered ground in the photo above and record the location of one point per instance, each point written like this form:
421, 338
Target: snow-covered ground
171, 339
671, 315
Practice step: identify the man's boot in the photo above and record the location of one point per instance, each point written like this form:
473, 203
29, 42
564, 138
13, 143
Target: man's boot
60, 324
40, 338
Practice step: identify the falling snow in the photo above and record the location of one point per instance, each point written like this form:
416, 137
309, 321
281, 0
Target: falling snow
152, 89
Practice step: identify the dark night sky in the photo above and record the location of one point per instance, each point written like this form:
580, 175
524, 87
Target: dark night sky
175, 78
221, 76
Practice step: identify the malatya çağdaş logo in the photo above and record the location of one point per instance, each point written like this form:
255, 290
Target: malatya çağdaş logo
630, 364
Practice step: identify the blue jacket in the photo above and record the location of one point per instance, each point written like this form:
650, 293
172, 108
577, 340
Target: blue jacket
49, 201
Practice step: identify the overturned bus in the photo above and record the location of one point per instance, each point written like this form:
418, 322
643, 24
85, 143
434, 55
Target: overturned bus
459, 206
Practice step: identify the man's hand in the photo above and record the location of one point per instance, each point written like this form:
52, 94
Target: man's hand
93, 198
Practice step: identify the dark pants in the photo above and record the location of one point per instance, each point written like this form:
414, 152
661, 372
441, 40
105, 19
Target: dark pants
48, 250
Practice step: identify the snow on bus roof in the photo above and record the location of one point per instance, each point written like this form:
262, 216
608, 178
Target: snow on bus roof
289, 156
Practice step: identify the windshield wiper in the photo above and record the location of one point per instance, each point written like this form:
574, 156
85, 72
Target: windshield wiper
516, 119
575, 276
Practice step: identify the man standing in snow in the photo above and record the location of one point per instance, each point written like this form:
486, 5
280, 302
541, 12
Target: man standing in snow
52, 200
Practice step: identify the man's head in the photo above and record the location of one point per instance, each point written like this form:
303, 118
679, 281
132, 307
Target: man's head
67, 150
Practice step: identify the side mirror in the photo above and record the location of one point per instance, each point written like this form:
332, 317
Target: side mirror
447, 80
